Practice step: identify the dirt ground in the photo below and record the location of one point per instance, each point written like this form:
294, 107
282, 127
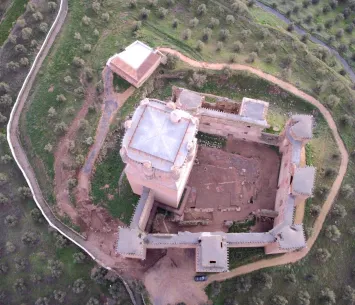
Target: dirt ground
230, 184
170, 280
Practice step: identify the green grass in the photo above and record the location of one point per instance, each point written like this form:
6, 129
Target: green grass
16, 9
105, 187
120, 84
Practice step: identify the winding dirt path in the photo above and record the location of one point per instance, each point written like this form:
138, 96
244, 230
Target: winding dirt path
293, 256
112, 104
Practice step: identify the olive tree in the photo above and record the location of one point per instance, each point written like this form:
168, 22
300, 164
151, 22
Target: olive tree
59, 295
11, 220
79, 286
328, 296
55, 267
322, 255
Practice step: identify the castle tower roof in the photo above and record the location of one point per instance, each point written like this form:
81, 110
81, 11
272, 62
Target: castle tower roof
303, 181
302, 126
160, 135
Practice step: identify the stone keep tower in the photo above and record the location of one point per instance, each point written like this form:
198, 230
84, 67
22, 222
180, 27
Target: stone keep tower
159, 148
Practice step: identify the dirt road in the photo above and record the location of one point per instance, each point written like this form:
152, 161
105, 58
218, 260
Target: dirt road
294, 256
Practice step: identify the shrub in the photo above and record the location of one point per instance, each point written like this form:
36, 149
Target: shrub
137, 25
21, 22
55, 267
5, 159
79, 160
98, 275
243, 284
171, 61
42, 301
175, 23
200, 45
186, 34
3, 178
263, 280
96, 6
26, 33
230, 19
37, 215
59, 295
88, 74
52, 6
330, 172
290, 27
116, 290
43, 27
197, 80
24, 192
328, 296
220, 46
132, 3
239, 7
207, 33
4, 268
3, 199
251, 58
144, 13
52, 113
29, 238
86, 20
79, 257
12, 66
79, 286
37, 16
279, 300
170, 2
162, 12
347, 120
12, 38
60, 241
34, 43
238, 46
152, 3
4, 88
194, 22
202, 9
96, 32
78, 62
322, 255
258, 46
347, 191
77, 36
339, 211
61, 98
214, 22
349, 294
105, 17
339, 33
19, 286
303, 298
3, 118
270, 58
332, 232
233, 58
10, 247
315, 209
328, 24
93, 301
290, 278
11, 220
24, 62
224, 34
20, 263
332, 101
68, 79
245, 35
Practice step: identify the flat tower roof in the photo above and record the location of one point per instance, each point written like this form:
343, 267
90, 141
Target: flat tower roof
135, 54
154, 135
